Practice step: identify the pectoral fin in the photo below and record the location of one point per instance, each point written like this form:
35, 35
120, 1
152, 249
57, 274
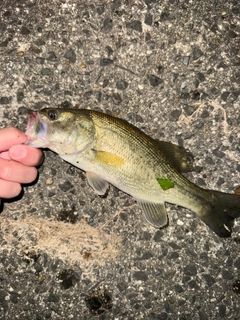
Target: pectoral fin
154, 213
99, 185
179, 157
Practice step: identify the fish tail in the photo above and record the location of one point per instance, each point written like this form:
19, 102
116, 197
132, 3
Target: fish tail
220, 212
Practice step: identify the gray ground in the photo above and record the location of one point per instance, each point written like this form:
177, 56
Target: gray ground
172, 69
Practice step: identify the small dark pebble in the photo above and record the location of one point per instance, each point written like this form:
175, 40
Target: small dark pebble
220, 181
158, 236
235, 94
164, 16
225, 95
174, 115
154, 80
218, 153
99, 301
148, 38
37, 267
195, 95
70, 56
107, 25
66, 186
87, 33
222, 310
40, 60
105, 62
196, 53
173, 255
3, 302
205, 114
237, 264
148, 19
209, 279
4, 43
189, 110
236, 286
184, 95
135, 25
200, 76
140, 275
25, 31
20, 96
3, 26
39, 42
121, 84
53, 297
14, 296
202, 315
105, 83
178, 288
116, 98
109, 50
5, 100
147, 255
68, 215
227, 275
122, 286
68, 278
47, 92
190, 270
47, 72
100, 10
51, 56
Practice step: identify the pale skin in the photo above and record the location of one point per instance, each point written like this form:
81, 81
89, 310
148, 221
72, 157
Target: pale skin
17, 162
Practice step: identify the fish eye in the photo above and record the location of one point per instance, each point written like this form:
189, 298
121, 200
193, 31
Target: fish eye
52, 115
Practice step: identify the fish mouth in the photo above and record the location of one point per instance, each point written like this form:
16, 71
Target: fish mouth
36, 130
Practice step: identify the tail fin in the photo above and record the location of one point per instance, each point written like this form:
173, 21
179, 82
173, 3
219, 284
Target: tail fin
223, 209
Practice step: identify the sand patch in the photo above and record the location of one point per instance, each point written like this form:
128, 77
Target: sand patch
72, 243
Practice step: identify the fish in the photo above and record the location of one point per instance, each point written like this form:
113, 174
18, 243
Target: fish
112, 151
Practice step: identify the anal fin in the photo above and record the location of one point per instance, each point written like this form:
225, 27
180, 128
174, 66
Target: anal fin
154, 213
99, 185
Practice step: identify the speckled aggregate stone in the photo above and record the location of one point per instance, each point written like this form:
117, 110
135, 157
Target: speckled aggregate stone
170, 67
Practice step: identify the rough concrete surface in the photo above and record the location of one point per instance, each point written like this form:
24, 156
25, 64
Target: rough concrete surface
172, 68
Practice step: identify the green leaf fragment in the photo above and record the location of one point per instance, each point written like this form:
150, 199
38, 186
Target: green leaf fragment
165, 183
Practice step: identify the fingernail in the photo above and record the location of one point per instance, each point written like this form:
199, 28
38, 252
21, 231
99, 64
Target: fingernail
18, 152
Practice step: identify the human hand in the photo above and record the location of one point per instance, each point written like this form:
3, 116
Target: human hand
17, 162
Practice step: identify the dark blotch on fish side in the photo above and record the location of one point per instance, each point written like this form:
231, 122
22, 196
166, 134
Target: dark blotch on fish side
99, 301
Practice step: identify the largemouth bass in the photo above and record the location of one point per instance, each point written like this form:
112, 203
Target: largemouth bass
110, 150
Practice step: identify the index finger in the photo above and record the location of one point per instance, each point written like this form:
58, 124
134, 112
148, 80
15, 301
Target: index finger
10, 136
